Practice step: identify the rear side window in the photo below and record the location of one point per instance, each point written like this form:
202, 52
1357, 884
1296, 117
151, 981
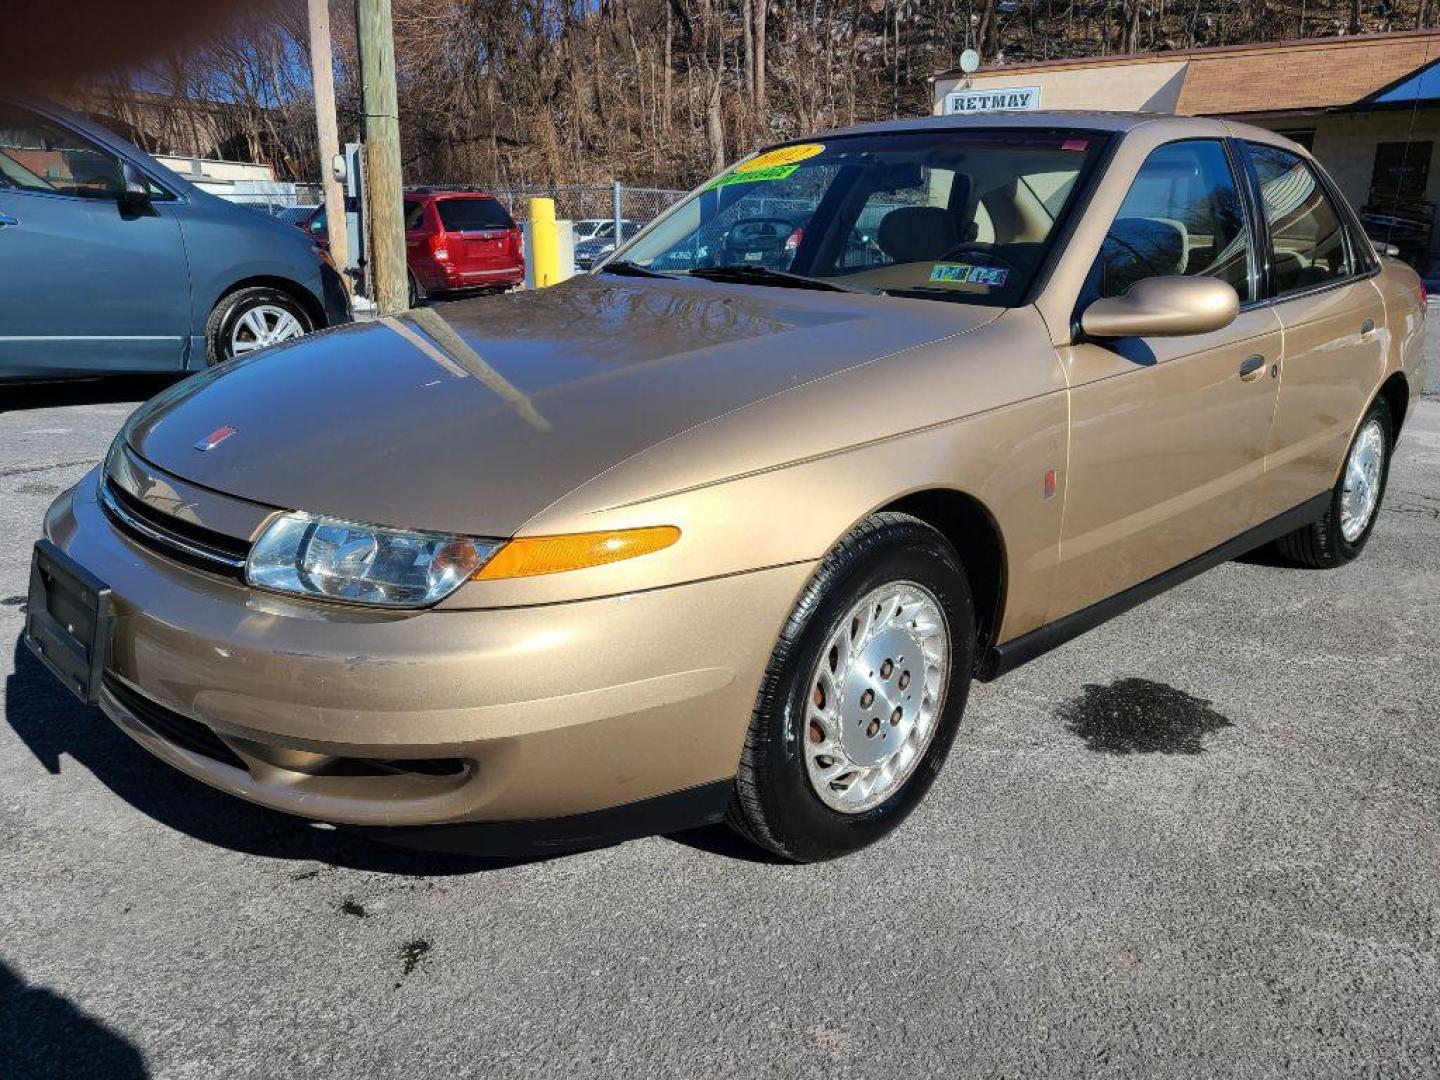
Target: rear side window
461, 215
1182, 217
1305, 225
414, 214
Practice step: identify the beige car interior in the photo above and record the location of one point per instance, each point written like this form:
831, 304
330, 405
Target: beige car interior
1009, 218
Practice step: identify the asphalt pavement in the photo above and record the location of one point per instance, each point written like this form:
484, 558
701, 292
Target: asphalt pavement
1201, 841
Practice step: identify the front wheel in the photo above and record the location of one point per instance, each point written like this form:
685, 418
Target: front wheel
863, 694
253, 318
1341, 534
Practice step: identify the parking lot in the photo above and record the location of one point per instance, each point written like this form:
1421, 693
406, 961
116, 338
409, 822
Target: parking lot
1200, 841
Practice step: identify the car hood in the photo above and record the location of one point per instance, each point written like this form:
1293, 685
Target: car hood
475, 416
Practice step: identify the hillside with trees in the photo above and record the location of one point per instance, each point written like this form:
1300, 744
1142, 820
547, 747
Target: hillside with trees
661, 92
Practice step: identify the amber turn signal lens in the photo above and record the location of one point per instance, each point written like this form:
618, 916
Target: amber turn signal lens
532, 555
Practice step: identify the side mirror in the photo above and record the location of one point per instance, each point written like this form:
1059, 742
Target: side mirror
136, 196
1390, 251
1164, 307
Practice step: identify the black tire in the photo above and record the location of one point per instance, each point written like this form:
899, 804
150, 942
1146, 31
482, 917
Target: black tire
233, 307
775, 804
417, 294
1322, 544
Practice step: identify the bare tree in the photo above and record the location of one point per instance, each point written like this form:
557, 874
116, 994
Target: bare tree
649, 91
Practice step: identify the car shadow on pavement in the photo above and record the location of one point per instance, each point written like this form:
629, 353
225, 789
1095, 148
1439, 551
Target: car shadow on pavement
57, 729
1138, 716
722, 840
99, 391
1269, 555
43, 1036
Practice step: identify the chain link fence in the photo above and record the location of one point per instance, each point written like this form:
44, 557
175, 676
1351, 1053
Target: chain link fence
267, 197
595, 203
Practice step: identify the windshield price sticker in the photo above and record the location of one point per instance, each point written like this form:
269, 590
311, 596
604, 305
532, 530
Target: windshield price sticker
786, 155
774, 172
964, 274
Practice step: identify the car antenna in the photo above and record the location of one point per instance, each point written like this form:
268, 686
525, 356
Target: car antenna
1409, 138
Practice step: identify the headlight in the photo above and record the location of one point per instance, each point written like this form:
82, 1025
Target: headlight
362, 564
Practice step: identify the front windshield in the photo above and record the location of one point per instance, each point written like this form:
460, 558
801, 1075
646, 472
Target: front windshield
952, 215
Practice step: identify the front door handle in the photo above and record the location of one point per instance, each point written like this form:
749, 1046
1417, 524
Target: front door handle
1252, 368
8, 219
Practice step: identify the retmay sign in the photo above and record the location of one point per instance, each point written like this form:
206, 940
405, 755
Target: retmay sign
1006, 99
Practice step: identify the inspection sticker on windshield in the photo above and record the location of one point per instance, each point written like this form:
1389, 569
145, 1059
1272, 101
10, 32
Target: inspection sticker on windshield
965, 274
775, 172
786, 155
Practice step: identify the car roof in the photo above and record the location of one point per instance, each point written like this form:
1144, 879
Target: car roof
1069, 120
436, 196
1079, 120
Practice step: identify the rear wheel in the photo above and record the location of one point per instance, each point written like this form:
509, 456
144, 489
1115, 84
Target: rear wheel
1341, 534
862, 697
253, 318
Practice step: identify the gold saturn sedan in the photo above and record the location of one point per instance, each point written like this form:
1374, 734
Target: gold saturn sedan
725, 528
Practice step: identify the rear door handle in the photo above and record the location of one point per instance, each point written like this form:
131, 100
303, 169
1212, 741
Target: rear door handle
1252, 368
1367, 328
8, 219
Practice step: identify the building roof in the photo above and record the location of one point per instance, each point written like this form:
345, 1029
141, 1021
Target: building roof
1280, 76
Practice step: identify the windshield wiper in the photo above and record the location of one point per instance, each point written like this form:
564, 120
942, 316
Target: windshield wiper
626, 268
760, 275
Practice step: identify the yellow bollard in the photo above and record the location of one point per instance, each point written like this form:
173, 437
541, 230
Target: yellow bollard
546, 270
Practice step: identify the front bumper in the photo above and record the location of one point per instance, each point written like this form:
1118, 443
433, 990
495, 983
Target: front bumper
365, 717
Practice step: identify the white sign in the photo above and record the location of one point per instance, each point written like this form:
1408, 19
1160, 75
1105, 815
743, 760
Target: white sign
1006, 99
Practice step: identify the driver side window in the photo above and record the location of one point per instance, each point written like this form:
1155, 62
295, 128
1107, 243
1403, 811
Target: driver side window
39, 155
1183, 217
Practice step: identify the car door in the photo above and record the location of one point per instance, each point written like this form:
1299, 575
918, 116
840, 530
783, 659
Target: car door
89, 285
1167, 434
1333, 320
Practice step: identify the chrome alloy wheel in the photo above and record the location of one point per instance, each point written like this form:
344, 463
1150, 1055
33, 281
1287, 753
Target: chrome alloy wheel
1362, 481
876, 696
262, 325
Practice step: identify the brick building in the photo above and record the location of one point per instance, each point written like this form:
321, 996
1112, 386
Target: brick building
1367, 106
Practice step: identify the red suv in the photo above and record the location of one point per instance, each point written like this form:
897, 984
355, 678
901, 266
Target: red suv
453, 240
461, 240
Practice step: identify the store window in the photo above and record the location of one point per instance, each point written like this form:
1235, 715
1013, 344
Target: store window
1304, 136
1402, 168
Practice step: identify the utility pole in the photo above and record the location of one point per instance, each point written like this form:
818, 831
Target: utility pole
322, 76
385, 211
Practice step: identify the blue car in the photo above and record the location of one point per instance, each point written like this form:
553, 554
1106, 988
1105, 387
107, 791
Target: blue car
109, 262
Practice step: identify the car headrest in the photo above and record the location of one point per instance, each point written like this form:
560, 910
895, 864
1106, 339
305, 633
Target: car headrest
1143, 247
916, 233
1163, 243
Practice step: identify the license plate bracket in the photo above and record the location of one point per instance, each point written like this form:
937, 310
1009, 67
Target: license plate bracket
67, 620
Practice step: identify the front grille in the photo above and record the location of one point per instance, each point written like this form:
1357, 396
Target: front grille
173, 727
171, 536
